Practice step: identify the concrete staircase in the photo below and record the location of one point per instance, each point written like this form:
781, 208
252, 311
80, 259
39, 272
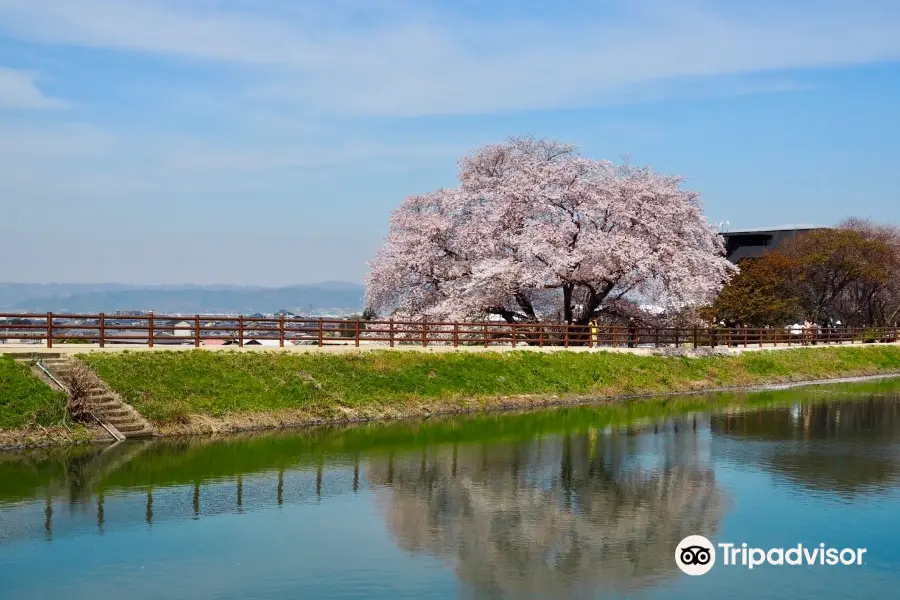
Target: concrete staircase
103, 402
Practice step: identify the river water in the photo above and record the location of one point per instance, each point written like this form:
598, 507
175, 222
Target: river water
586, 502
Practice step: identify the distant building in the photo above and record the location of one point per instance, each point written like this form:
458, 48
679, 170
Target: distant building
181, 331
254, 342
752, 243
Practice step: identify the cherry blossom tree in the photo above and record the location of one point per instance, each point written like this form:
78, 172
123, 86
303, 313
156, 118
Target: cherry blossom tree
534, 229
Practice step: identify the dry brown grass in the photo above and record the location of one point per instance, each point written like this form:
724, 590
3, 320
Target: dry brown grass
80, 381
36, 436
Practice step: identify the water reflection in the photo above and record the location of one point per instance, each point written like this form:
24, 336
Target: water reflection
843, 448
578, 502
559, 517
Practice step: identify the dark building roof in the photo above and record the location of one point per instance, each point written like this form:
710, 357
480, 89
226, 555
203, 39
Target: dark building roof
752, 243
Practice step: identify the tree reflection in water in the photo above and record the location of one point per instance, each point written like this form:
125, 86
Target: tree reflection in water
557, 517
844, 448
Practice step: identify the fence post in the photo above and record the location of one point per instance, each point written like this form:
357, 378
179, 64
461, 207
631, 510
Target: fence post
677, 338
102, 329
321, 333
240, 331
656, 337
513, 328
150, 329
485, 335
566, 339
745, 337
391, 332
424, 334
196, 331
456, 335
695, 337
541, 335
49, 329
356, 333
281, 331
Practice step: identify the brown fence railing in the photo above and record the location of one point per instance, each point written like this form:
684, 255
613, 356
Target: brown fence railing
198, 330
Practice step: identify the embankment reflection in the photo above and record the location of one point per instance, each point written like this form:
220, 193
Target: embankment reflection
556, 517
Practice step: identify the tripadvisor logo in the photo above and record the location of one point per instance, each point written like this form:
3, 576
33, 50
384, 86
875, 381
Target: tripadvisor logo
696, 555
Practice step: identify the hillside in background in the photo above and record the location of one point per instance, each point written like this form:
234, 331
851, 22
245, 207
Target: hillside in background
314, 298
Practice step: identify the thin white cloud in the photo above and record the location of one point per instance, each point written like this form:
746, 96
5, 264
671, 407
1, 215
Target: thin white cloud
423, 60
34, 142
18, 89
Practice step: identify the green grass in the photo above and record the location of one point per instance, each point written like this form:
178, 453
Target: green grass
26, 400
167, 387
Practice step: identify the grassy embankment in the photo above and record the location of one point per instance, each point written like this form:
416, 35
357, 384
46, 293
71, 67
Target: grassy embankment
187, 391
26, 401
31, 413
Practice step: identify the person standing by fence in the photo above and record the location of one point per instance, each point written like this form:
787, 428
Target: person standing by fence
632, 332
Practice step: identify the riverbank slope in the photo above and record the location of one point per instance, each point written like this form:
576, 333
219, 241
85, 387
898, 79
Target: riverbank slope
204, 392
33, 414
198, 392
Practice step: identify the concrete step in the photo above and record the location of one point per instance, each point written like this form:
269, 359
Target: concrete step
123, 419
126, 418
105, 404
143, 433
112, 412
129, 428
120, 418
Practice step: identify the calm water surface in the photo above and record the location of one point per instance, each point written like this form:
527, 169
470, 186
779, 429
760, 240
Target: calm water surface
577, 503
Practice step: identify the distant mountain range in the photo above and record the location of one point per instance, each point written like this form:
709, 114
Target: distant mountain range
314, 298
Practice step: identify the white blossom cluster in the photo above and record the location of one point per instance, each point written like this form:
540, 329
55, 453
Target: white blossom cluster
534, 229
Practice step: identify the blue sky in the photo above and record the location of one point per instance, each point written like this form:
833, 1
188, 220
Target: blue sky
266, 141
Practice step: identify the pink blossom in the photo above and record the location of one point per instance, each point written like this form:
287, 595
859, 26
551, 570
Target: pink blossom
534, 229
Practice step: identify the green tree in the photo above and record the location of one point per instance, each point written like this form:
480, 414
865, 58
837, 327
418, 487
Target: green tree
850, 273
760, 295
838, 273
875, 298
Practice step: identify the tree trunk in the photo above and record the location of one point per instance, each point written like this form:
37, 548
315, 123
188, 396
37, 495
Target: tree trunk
526, 306
508, 315
567, 302
594, 300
